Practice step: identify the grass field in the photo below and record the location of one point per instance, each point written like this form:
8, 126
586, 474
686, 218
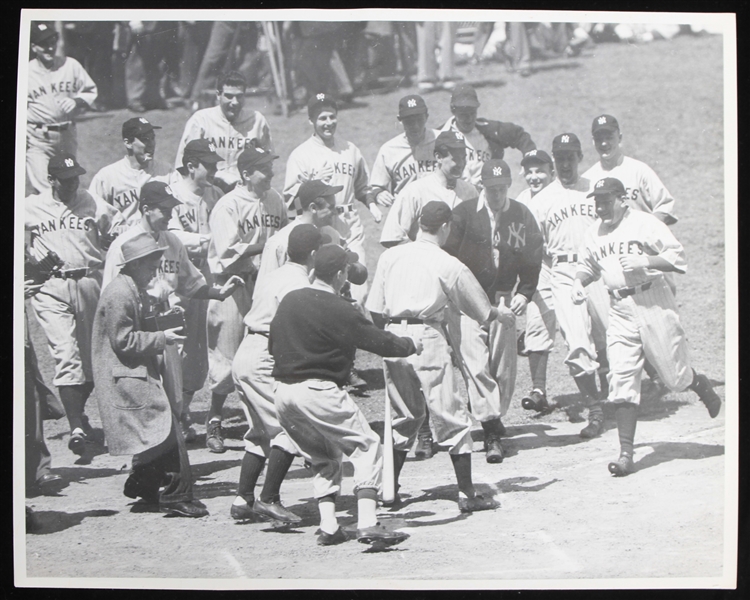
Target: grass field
668, 98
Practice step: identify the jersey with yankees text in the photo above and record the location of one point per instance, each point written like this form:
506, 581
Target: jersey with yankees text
66, 79
645, 190
239, 220
250, 128
119, 184
638, 233
399, 163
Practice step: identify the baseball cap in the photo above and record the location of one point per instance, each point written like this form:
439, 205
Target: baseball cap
536, 157
464, 95
42, 31
435, 213
566, 141
252, 156
413, 104
604, 122
64, 166
331, 258
158, 193
606, 186
495, 171
450, 139
314, 189
140, 245
136, 127
318, 102
201, 150
305, 238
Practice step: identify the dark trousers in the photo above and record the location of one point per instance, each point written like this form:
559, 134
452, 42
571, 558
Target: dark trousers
143, 68
38, 459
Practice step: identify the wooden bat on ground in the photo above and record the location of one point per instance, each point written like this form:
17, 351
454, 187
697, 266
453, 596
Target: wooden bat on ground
389, 481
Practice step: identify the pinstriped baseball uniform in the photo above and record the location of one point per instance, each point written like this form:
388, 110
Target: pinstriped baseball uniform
540, 312
253, 364
189, 224
477, 151
564, 214
420, 280
645, 324
398, 163
65, 307
341, 165
49, 130
238, 220
250, 128
274, 253
119, 184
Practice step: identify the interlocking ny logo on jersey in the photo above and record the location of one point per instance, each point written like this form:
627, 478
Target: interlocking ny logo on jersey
497, 171
516, 235
69, 162
411, 103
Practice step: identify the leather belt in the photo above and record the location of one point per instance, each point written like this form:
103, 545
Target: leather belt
565, 258
407, 320
629, 291
71, 273
52, 126
344, 209
263, 333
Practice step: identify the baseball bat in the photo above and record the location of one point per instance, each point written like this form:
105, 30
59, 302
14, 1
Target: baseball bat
389, 480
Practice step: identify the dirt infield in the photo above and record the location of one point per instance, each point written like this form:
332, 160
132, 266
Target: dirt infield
562, 516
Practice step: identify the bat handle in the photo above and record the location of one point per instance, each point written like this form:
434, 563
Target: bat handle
389, 479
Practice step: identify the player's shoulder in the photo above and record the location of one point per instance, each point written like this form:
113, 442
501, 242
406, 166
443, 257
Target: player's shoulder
112, 168
466, 190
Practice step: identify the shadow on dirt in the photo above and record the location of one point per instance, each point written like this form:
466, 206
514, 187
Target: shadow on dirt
72, 475
53, 521
513, 442
667, 451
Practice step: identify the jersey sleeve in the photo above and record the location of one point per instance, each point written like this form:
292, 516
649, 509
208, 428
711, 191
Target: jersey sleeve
190, 239
400, 219
381, 176
113, 263
193, 131
108, 218
190, 279
657, 195
376, 298
264, 141
295, 166
660, 241
97, 187
362, 177
87, 87
228, 247
588, 265
468, 296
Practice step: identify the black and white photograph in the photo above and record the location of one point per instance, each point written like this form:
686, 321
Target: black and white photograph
351, 299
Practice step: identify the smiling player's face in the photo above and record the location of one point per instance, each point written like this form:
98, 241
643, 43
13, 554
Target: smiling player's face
231, 101
325, 125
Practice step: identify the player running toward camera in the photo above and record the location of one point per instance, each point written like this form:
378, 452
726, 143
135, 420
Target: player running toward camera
120, 183
407, 156
78, 228
337, 163
241, 223
499, 240
230, 127
564, 212
59, 89
313, 338
538, 337
631, 250
415, 286
485, 139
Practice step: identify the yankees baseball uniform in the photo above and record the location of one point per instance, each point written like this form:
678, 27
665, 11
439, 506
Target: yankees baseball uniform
343, 165
238, 220
398, 163
643, 317
65, 306
50, 130
564, 214
119, 184
249, 128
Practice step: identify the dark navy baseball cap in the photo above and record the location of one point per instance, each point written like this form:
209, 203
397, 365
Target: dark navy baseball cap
252, 156
494, 172
412, 104
608, 185
318, 102
566, 141
311, 190
435, 213
533, 157
604, 123
201, 150
305, 238
64, 166
464, 95
450, 139
136, 127
159, 194
41, 31
331, 258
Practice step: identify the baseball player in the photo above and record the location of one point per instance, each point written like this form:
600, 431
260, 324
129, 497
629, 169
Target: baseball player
484, 139
230, 126
538, 337
120, 183
251, 370
177, 279
59, 89
406, 157
413, 287
645, 190
77, 227
240, 223
338, 163
630, 251
564, 212
499, 240
313, 338
193, 187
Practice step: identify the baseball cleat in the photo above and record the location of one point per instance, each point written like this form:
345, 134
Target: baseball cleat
184, 509
275, 511
707, 395
377, 534
477, 503
332, 539
214, 437
244, 512
424, 448
536, 400
494, 450
622, 466
594, 429
77, 442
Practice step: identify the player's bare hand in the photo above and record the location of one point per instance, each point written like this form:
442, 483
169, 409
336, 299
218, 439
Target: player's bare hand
375, 212
418, 345
67, 105
578, 294
174, 335
631, 262
384, 198
503, 314
231, 284
30, 288
518, 304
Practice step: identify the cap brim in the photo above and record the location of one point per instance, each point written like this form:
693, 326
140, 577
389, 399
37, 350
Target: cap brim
496, 181
408, 112
331, 190
535, 160
144, 254
607, 127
